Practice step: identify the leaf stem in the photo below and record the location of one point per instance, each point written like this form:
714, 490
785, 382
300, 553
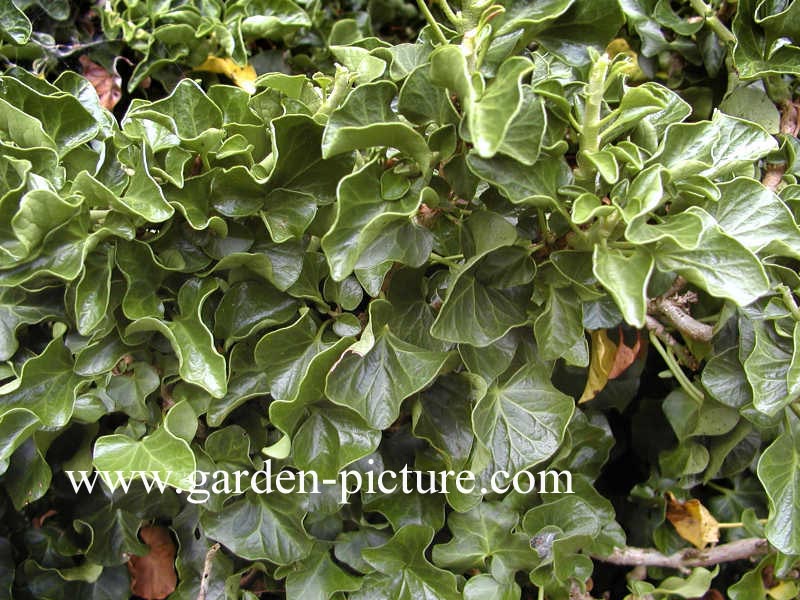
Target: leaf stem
544, 228
341, 85
676, 369
719, 488
455, 19
450, 261
426, 12
736, 525
788, 300
712, 20
795, 409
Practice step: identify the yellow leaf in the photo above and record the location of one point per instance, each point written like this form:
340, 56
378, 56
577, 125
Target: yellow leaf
785, 590
692, 521
620, 46
603, 353
244, 76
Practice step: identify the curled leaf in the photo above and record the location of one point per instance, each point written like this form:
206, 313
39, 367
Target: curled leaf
601, 362
608, 361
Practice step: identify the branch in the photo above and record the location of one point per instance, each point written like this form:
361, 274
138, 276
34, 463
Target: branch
789, 125
683, 354
689, 558
575, 593
205, 579
673, 307
712, 20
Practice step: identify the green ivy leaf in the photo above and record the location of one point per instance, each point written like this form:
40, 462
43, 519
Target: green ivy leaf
757, 218
366, 120
317, 577
777, 468
258, 527
14, 25
330, 439
719, 264
366, 224
522, 418
402, 571
47, 386
162, 451
192, 342
625, 276
483, 532
379, 371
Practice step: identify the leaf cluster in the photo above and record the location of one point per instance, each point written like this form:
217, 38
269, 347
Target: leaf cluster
409, 249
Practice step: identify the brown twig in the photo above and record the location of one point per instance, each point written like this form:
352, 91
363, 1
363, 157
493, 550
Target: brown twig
673, 307
689, 558
685, 357
249, 577
790, 122
575, 593
205, 579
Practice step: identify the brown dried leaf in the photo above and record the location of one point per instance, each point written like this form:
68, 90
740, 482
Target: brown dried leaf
107, 85
692, 521
626, 355
153, 576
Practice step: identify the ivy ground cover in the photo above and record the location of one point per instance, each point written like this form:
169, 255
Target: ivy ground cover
487, 237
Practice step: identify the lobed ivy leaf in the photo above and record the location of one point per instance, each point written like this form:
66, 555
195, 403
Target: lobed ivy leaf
378, 372
402, 572
364, 221
47, 386
522, 418
257, 527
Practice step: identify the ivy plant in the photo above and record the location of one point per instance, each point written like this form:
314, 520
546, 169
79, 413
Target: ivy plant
477, 236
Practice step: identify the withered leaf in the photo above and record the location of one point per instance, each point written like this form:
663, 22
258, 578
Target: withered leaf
625, 355
153, 576
692, 521
603, 353
243, 77
107, 85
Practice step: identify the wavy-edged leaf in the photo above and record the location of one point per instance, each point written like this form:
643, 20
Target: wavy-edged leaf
365, 120
198, 360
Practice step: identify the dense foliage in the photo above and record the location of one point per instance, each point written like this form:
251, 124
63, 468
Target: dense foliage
548, 234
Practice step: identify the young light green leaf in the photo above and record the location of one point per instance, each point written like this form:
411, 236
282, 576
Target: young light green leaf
625, 276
